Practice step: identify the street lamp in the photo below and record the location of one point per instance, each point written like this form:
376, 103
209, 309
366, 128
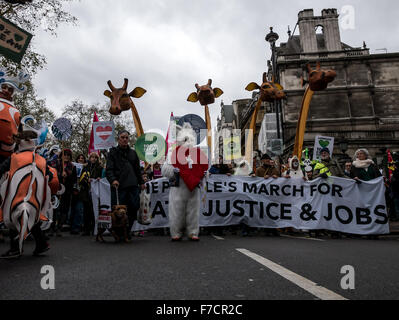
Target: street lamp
343, 146
272, 37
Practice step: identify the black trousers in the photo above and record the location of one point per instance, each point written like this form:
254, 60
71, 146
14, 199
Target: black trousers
65, 205
88, 217
129, 197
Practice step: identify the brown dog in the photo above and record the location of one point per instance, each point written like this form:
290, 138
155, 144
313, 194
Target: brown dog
120, 224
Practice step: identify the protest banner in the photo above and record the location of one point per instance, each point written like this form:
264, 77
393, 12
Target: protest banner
79, 167
101, 196
104, 135
334, 204
232, 148
320, 143
62, 131
13, 40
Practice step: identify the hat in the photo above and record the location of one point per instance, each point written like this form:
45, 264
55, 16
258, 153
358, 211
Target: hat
68, 152
266, 157
325, 150
15, 82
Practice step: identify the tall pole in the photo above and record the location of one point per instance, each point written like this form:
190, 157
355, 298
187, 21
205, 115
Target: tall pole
275, 76
272, 37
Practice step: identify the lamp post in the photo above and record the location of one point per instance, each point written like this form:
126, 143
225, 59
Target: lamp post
272, 37
343, 146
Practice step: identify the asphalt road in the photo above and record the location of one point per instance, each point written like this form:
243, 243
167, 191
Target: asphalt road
153, 268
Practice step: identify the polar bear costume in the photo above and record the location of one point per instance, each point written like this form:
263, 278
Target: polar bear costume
243, 169
184, 205
295, 171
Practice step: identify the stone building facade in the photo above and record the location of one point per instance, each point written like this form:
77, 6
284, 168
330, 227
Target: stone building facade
361, 105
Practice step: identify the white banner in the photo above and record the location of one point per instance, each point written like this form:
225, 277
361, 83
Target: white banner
335, 204
104, 136
320, 143
101, 196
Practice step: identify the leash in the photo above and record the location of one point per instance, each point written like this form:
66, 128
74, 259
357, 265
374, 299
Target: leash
117, 196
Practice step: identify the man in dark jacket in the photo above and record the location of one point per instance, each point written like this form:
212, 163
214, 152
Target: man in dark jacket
267, 170
124, 174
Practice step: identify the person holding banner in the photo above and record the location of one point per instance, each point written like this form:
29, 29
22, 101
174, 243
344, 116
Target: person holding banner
92, 171
267, 170
124, 174
363, 168
327, 167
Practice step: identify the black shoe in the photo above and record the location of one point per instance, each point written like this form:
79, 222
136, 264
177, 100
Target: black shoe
10, 254
41, 249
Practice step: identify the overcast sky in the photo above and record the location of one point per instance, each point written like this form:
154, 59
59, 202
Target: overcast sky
166, 46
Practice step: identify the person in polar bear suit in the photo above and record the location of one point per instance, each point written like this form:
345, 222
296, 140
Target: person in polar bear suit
184, 204
294, 171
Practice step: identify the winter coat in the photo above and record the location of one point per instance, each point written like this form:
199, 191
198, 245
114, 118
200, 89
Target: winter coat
329, 167
123, 165
365, 174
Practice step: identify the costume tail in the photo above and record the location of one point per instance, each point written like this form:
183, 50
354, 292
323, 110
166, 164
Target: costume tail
23, 233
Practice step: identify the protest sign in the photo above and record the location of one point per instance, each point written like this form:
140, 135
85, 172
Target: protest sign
13, 40
232, 148
320, 143
62, 129
104, 135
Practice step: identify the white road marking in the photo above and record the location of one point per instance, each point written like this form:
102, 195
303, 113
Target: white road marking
217, 237
311, 287
303, 238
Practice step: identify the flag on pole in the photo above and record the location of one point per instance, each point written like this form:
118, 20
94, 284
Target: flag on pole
171, 135
390, 165
91, 145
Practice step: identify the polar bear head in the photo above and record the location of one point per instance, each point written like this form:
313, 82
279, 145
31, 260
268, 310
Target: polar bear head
186, 136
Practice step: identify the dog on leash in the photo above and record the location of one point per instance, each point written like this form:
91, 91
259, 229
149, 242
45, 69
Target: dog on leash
119, 226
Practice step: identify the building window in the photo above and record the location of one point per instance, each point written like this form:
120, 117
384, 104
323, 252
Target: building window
320, 36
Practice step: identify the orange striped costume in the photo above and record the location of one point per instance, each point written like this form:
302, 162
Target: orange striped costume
26, 194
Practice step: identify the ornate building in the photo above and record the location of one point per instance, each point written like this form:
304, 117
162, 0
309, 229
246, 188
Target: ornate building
361, 106
359, 109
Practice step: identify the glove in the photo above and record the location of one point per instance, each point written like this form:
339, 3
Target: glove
324, 175
176, 170
358, 181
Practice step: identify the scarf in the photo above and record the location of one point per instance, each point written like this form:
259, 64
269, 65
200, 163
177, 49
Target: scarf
362, 164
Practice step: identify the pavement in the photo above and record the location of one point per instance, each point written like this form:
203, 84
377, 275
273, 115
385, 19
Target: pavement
216, 268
